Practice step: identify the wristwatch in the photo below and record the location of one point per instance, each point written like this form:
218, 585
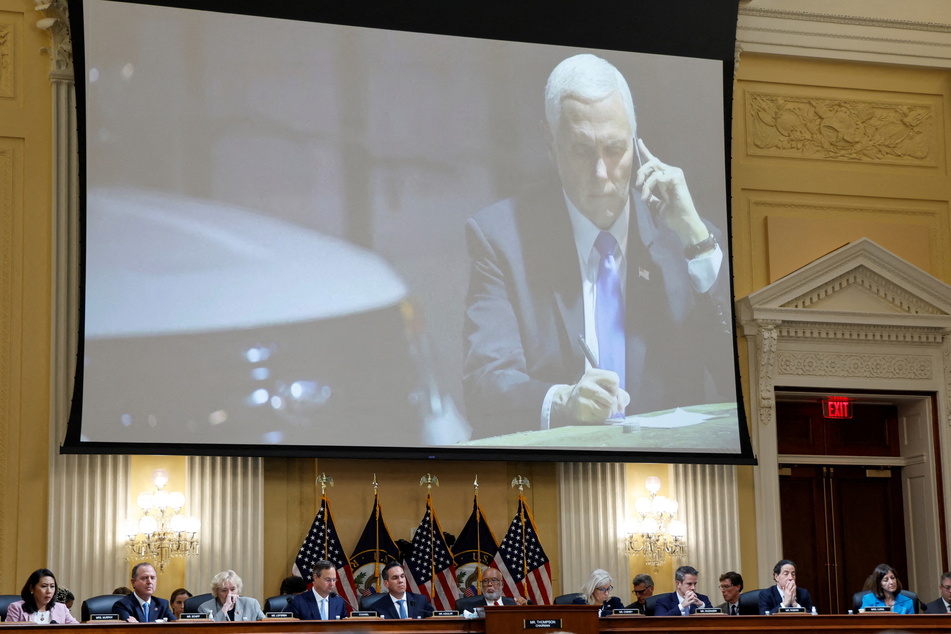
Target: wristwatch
693, 250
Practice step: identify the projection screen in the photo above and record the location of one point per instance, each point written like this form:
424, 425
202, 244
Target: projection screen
345, 234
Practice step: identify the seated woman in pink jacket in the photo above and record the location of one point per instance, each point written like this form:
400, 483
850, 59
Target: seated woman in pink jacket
39, 601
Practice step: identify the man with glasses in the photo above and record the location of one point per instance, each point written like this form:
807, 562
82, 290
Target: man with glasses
941, 605
491, 586
322, 603
685, 600
643, 590
731, 585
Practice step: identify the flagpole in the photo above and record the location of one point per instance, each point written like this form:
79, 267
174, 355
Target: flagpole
521, 483
478, 534
429, 481
376, 528
323, 480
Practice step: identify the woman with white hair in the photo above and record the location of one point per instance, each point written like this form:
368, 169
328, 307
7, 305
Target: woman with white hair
596, 590
228, 604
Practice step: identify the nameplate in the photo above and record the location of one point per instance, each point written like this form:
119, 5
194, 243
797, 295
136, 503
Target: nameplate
279, 615
103, 617
542, 624
446, 613
194, 616
785, 610
876, 608
708, 611
363, 614
624, 611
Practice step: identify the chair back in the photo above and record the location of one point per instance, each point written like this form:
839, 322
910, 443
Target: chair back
749, 602
279, 603
366, 603
101, 604
5, 601
566, 599
192, 603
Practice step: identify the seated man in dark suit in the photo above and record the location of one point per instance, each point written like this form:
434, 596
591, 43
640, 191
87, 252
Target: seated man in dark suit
941, 605
613, 249
685, 599
322, 602
785, 593
141, 606
398, 603
731, 585
643, 590
491, 594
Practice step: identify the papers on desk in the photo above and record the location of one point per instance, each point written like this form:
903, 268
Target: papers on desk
677, 418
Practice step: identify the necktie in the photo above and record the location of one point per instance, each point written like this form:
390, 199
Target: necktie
735, 611
145, 610
402, 608
323, 609
609, 307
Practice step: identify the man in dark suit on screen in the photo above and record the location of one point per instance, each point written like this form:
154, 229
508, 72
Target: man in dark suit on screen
322, 602
141, 606
613, 250
685, 600
398, 603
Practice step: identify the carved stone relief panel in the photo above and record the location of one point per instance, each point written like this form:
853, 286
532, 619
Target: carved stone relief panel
8, 37
839, 129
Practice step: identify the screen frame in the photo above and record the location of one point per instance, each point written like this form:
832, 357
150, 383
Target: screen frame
673, 27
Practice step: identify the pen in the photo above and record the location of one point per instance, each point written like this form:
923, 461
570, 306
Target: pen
588, 354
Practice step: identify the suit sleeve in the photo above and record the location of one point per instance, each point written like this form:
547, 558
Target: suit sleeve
667, 606
805, 600
15, 612
121, 607
501, 396
165, 611
765, 600
423, 607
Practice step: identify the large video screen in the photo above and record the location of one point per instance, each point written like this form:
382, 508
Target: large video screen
363, 233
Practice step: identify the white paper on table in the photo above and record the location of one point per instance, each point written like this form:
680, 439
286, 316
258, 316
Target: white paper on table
677, 418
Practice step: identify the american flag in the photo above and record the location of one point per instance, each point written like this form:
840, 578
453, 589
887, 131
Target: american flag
522, 560
473, 551
322, 542
430, 557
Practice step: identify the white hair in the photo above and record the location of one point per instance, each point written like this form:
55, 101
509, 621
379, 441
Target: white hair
585, 77
224, 577
596, 579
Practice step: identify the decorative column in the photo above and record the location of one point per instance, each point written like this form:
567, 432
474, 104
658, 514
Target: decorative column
86, 492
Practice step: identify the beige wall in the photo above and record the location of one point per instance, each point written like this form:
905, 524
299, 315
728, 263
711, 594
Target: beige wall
25, 199
821, 157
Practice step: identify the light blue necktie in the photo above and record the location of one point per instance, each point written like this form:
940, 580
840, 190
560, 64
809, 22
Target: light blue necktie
323, 609
609, 308
145, 609
402, 608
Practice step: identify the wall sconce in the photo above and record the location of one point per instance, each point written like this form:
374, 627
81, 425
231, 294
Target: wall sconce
162, 532
657, 534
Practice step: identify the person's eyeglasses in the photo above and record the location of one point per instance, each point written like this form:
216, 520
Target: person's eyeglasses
724, 587
640, 592
608, 589
491, 582
946, 588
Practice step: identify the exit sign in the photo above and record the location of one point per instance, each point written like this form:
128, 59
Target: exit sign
837, 407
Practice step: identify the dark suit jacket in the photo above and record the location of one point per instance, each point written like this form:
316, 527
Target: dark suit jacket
306, 609
524, 311
606, 608
478, 601
417, 607
129, 606
936, 607
725, 607
669, 605
770, 598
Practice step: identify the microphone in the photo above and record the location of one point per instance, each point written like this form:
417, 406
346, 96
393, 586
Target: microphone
344, 599
287, 603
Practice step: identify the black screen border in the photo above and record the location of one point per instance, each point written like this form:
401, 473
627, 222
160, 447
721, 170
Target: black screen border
685, 28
